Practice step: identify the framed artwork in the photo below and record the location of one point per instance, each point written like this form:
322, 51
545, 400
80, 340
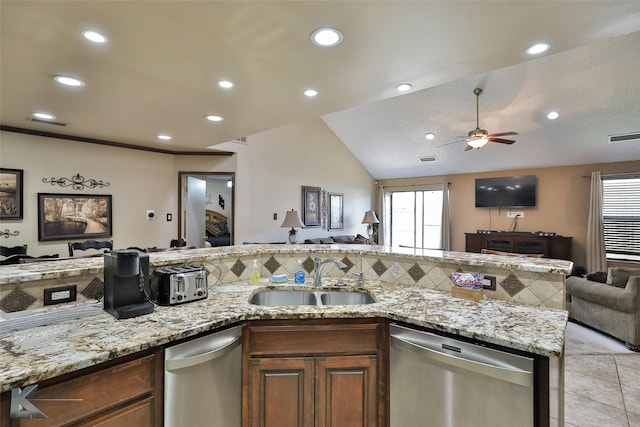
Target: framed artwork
336, 212
73, 216
11, 193
311, 206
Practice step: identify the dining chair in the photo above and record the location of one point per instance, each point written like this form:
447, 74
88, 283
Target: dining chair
29, 259
13, 250
90, 244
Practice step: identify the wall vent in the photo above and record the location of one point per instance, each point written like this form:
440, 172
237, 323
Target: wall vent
46, 122
628, 137
242, 140
427, 159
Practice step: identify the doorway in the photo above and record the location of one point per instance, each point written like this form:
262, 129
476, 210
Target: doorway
206, 208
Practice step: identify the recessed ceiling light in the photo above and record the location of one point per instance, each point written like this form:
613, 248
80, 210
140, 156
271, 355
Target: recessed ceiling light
326, 37
68, 81
43, 116
553, 115
94, 36
538, 48
403, 87
164, 137
225, 84
311, 93
429, 135
214, 118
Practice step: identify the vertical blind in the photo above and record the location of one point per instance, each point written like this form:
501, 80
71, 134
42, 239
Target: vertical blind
621, 214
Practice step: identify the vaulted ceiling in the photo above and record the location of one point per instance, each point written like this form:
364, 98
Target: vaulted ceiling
158, 73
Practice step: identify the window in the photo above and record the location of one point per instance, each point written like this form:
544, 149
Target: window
621, 216
414, 218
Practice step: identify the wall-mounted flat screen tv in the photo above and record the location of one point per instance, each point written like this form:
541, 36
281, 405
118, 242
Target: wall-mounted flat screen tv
511, 191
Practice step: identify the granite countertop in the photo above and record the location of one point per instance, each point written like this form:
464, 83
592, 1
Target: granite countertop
68, 267
44, 352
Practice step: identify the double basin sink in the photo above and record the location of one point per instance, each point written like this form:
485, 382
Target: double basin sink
280, 297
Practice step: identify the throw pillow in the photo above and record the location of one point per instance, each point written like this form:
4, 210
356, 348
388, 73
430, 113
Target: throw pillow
597, 276
343, 239
618, 276
361, 240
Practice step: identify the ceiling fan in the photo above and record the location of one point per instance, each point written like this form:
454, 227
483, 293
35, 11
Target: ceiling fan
478, 138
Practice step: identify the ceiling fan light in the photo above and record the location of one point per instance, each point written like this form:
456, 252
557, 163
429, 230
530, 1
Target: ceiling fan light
478, 142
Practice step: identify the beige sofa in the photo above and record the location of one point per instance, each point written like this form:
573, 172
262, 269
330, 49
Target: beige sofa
612, 307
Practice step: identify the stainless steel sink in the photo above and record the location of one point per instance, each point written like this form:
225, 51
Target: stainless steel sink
280, 297
345, 298
277, 297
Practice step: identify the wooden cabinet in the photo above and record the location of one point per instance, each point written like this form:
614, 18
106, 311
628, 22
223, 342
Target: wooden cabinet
122, 393
556, 247
322, 373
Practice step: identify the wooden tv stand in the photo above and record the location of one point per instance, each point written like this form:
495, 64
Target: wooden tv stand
556, 247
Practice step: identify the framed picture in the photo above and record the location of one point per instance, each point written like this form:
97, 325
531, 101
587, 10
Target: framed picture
311, 206
336, 213
10, 193
73, 216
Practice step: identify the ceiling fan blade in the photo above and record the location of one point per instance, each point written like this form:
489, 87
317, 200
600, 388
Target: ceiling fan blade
504, 133
501, 140
449, 143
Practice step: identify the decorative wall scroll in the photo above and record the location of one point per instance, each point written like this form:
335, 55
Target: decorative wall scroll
73, 216
6, 233
77, 182
10, 193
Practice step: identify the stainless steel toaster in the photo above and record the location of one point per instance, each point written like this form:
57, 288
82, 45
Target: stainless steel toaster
178, 284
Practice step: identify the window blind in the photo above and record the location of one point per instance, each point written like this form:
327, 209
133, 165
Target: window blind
621, 214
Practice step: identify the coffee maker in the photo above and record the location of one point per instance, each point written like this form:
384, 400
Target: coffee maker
126, 279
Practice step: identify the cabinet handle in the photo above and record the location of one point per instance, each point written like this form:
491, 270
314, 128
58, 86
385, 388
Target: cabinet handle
185, 362
515, 376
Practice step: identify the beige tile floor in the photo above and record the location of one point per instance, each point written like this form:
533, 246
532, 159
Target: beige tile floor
602, 390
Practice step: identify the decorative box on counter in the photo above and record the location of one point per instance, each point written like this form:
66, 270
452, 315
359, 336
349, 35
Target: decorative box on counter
467, 285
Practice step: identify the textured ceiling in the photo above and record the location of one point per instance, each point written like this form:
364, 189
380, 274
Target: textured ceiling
158, 74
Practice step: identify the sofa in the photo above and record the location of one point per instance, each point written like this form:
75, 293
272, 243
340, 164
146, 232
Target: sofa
609, 302
342, 239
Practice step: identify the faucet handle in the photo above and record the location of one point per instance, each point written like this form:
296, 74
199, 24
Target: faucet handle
359, 275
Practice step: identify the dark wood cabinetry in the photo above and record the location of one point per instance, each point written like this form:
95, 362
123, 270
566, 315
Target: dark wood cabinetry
556, 247
122, 393
322, 373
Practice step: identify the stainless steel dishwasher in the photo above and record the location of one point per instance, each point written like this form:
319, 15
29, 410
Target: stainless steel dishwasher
203, 381
443, 382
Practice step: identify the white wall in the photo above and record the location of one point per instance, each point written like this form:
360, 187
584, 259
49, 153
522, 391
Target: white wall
274, 166
270, 171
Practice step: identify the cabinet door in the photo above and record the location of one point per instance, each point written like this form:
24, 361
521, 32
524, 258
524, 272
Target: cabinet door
137, 414
280, 392
347, 391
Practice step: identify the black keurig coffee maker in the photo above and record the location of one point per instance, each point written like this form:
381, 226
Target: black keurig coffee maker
126, 277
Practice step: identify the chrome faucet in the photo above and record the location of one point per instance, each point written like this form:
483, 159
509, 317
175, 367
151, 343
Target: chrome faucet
319, 264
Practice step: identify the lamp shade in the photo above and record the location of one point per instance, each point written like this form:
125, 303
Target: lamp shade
292, 219
370, 218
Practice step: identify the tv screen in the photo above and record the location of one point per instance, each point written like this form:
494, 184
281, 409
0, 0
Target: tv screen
512, 191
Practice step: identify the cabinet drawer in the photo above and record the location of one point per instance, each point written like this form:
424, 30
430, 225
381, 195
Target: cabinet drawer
312, 338
84, 396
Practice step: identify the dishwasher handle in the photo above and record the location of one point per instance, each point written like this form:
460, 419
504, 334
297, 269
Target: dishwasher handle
185, 362
512, 375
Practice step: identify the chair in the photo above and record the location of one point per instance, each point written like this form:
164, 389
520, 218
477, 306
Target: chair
13, 250
90, 244
177, 243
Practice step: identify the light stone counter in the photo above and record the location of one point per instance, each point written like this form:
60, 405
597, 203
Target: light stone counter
37, 354
410, 286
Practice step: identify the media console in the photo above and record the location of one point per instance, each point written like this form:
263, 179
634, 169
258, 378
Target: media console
548, 244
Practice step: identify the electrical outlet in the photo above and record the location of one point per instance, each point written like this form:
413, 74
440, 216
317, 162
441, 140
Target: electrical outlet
514, 214
60, 294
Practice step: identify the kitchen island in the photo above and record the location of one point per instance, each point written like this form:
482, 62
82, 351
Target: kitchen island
29, 357
49, 351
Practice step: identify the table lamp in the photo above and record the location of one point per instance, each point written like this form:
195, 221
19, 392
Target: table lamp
370, 218
292, 219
